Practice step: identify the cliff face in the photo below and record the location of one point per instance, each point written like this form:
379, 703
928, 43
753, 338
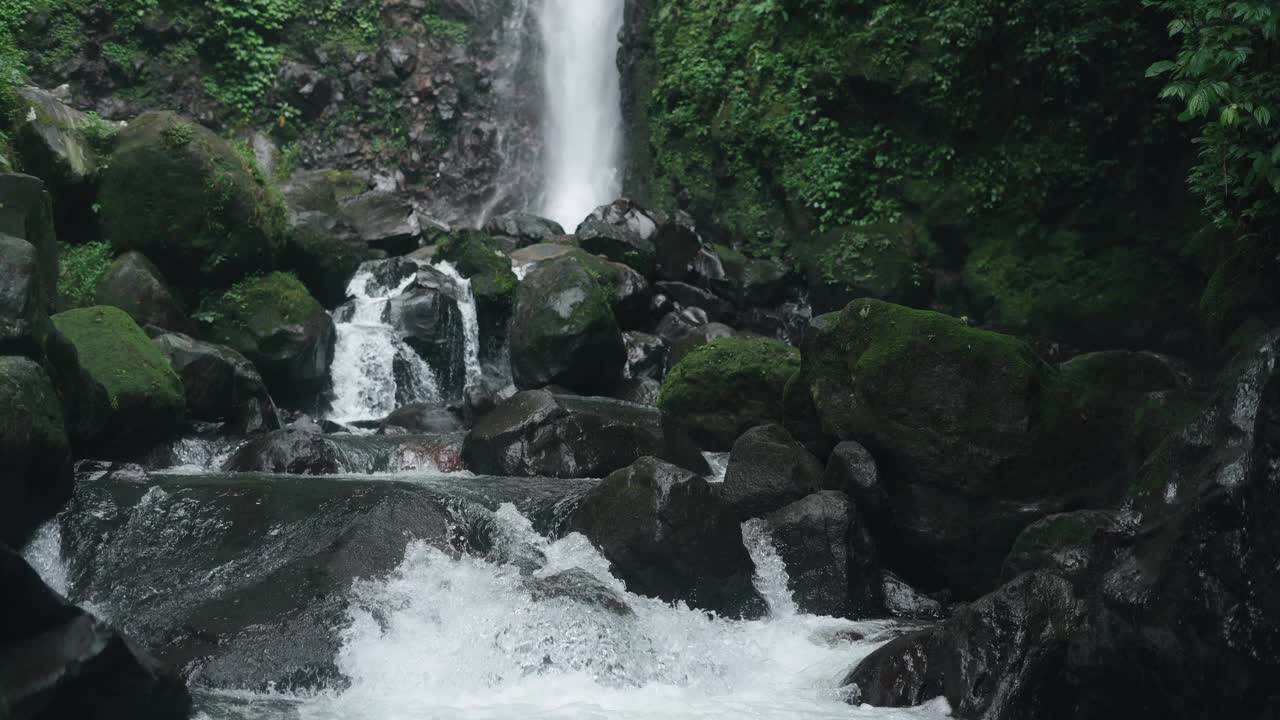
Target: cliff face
436, 99
637, 65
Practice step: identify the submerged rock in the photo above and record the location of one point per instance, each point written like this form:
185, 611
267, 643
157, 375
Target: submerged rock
538, 433
58, 661
668, 535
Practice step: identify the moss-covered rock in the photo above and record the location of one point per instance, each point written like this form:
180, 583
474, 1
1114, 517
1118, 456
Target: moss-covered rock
478, 258
953, 415
728, 386
1082, 290
183, 196
564, 332
323, 260
281, 328
34, 451
120, 393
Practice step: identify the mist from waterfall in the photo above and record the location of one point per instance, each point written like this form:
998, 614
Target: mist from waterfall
582, 118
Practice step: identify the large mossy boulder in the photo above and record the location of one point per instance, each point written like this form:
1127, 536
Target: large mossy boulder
34, 452
62, 662
728, 386
667, 534
134, 284
538, 433
184, 197
564, 331
282, 329
966, 425
120, 393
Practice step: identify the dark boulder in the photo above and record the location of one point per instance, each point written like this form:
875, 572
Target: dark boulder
676, 247
295, 452
304, 450
120, 394
525, 228
728, 386
747, 282
668, 535
383, 220
27, 214
904, 601
324, 257
423, 418
1000, 658
830, 558
617, 243
135, 285
34, 450
23, 316
537, 433
852, 470
1067, 544
686, 295
58, 661
63, 147
220, 385
644, 391
767, 470
674, 325
285, 333
564, 331
428, 318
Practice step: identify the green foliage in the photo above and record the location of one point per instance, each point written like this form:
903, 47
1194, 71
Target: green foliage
1226, 78
453, 30
100, 134
120, 357
80, 270
836, 108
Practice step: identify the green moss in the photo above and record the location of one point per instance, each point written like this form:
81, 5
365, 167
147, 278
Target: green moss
119, 356
476, 257
80, 270
191, 204
723, 373
256, 307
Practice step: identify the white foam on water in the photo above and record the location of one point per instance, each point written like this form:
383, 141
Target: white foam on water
365, 386
470, 322
463, 638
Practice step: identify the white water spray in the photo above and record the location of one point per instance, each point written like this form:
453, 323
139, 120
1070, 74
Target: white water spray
582, 107
365, 386
470, 323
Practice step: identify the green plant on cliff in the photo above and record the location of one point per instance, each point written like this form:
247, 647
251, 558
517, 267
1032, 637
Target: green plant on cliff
80, 269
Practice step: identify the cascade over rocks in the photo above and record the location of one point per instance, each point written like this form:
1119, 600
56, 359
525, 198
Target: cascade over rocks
428, 318
300, 451
34, 452
728, 386
767, 470
136, 286
275, 323
564, 332
668, 535
119, 392
999, 658
61, 662
830, 558
220, 385
182, 196
538, 433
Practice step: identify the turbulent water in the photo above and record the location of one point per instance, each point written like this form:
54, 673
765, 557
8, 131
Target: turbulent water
367, 353
582, 121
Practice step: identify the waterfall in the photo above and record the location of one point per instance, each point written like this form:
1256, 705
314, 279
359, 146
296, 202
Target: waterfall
374, 371
512, 184
470, 323
582, 106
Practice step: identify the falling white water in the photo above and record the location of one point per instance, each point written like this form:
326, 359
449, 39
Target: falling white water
44, 555
770, 579
466, 638
582, 122
365, 356
470, 323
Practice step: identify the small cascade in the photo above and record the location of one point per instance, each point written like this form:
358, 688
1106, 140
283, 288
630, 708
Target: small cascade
44, 555
374, 371
470, 323
771, 579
